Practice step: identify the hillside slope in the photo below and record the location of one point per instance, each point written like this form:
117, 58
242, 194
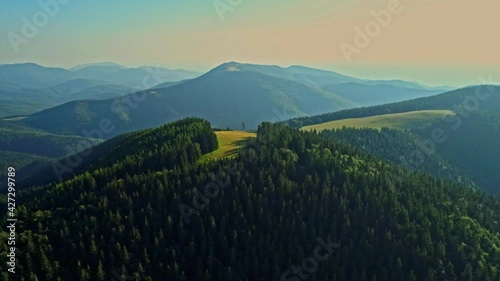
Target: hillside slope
226, 96
152, 146
462, 101
406, 120
375, 94
26, 88
289, 195
469, 140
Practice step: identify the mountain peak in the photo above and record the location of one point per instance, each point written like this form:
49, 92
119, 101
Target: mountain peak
98, 64
24, 64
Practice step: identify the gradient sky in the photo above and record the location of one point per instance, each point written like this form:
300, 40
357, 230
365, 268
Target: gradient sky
436, 42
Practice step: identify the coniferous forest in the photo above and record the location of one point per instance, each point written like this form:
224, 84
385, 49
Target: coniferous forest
291, 205
238, 140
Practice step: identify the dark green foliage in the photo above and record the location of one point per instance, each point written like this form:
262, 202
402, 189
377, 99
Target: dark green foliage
405, 148
473, 145
478, 97
19, 161
29, 149
178, 143
42, 144
285, 190
470, 140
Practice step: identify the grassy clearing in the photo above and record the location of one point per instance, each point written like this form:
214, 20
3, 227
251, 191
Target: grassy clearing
407, 120
229, 143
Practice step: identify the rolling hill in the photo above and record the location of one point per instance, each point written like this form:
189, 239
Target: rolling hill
28, 88
368, 94
150, 212
131, 146
462, 101
407, 120
468, 139
28, 149
227, 95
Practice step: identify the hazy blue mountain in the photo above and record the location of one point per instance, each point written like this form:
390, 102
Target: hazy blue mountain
133, 77
374, 94
226, 96
49, 87
100, 64
169, 84
101, 92
306, 75
27, 101
28, 88
407, 84
33, 76
76, 85
320, 78
355, 89
97, 72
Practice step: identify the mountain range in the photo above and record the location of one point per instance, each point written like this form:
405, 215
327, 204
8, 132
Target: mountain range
27, 87
404, 190
228, 95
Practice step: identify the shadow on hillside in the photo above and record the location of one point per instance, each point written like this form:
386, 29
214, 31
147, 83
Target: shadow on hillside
239, 144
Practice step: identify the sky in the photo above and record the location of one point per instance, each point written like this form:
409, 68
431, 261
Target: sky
435, 42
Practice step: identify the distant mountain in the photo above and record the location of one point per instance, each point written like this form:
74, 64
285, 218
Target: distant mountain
134, 77
169, 84
101, 92
411, 85
27, 88
76, 85
361, 91
33, 76
98, 72
321, 78
27, 101
226, 96
99, 64
49, 87
372, 94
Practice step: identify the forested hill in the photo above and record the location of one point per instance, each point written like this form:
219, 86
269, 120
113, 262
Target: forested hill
465, 143
292, 205
461, 101
402, 147
177, 143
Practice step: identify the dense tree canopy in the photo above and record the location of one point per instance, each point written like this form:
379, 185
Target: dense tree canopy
158, 215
